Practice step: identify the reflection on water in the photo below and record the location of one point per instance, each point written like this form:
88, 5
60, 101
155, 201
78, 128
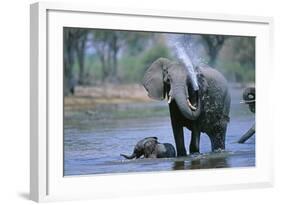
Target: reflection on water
93, 145
203, 162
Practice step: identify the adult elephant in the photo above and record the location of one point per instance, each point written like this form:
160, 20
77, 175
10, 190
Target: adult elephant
203, 110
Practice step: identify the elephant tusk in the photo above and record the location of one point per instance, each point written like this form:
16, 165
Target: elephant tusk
169, 99
190, 105
247, 101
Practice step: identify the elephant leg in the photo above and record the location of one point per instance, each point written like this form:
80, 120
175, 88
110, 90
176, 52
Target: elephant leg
195, 141
179, 139
218, 139
177, 130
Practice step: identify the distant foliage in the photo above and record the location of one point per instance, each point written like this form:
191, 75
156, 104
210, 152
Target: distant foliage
234, 56
95, 56
134, 66
237, 59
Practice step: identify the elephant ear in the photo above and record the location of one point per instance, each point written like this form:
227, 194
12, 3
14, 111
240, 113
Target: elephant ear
153, 80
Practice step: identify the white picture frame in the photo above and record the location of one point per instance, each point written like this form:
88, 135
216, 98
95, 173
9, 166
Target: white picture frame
46, 179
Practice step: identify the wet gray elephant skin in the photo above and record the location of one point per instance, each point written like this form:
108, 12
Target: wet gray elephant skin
149, 147
203, 110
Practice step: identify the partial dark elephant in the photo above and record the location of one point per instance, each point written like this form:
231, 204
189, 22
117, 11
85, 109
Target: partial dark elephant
149, 147
249, 97
203, 110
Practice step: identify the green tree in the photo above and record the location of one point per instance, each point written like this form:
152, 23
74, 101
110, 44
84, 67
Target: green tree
213, 45
108, 46
74, 43
68, 59
244, 51
80, 50
237, 59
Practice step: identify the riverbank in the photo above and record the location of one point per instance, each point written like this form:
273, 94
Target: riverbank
90, 97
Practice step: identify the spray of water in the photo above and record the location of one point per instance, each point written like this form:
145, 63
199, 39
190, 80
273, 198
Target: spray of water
176, 44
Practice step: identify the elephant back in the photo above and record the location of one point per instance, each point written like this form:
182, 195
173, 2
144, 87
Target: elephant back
165, 150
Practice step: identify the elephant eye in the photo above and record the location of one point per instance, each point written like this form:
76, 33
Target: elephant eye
251, 96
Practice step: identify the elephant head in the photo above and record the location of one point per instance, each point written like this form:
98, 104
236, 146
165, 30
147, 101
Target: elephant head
143, 147
167, 78
249, 97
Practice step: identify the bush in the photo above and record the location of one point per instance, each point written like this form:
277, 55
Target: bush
132, 68
235, 72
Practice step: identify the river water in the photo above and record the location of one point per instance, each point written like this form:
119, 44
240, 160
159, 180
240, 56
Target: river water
93, 140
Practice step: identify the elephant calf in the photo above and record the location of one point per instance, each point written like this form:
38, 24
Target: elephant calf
149, 147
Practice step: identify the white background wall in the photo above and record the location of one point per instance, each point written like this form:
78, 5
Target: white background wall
14, 101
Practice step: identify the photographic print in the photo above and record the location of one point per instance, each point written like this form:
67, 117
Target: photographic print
139, 101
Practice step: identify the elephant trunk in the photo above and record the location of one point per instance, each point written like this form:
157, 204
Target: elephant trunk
132, 156
181, 96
